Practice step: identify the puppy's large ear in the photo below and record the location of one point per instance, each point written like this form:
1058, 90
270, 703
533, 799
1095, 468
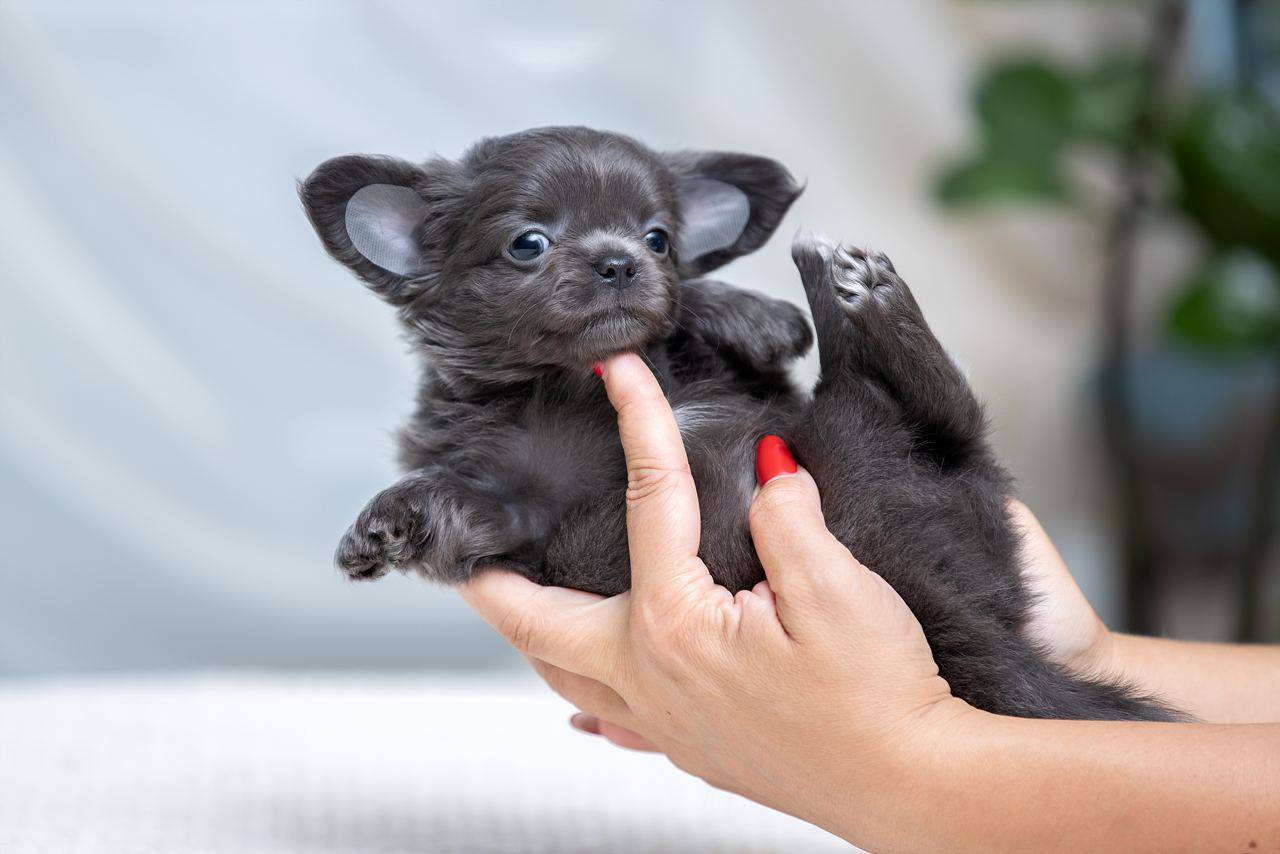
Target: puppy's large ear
372, 214
730, 204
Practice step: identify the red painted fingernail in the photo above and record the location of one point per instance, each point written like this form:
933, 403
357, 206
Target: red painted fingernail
598, 369
585, 723
773, 459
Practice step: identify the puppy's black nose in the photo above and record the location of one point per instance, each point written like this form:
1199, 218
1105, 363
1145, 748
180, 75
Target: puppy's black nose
616, 271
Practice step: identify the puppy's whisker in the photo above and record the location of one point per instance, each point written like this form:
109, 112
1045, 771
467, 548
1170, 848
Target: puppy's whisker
696, 316
649, 362
511, 335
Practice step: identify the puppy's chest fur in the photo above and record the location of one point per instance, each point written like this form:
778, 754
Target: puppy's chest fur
545, 460
544, 457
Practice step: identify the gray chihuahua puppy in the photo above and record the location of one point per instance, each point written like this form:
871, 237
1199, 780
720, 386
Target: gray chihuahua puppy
536, 254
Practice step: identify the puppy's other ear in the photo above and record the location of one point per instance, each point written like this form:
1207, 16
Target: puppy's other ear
372, 215
730, 204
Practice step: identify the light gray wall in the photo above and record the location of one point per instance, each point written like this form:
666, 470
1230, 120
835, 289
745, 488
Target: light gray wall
194, 401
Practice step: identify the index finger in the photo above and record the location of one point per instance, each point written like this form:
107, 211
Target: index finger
663, 523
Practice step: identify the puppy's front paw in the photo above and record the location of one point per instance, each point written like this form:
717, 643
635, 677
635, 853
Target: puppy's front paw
778, 333
864, 280
387, 534
796, 337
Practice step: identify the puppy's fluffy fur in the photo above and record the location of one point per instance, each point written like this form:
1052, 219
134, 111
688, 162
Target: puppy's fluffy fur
513, 459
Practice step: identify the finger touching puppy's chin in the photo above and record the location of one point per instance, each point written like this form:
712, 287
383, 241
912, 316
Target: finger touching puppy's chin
596, 335
610, 335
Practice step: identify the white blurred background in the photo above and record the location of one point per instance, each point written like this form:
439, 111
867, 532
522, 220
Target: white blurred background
195, 401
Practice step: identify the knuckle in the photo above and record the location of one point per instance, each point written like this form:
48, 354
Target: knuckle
519, 628
641, 398
833, 576
823, 581
778, 498
649, 480
653, 622
683, 640
664, 643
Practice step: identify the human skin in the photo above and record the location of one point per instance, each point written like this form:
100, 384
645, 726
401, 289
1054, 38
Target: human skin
815, 692
1215, 682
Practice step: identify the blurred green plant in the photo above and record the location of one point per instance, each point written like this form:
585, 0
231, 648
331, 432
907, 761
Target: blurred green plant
1222, 152
1031, 114
1232, 305
1227, 153
1208, 154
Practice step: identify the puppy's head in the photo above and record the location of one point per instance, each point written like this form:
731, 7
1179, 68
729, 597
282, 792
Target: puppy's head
548, 248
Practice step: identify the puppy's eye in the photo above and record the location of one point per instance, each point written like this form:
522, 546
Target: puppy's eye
656, 240
529, 245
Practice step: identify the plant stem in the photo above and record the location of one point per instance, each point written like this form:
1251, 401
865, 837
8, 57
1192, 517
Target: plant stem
1117, 284
1253, 555
1262, 519
1246, 56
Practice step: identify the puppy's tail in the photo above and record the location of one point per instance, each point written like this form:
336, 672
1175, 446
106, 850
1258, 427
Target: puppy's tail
1049, 691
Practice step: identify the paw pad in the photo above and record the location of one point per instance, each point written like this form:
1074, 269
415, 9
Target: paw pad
859, 274
380, 539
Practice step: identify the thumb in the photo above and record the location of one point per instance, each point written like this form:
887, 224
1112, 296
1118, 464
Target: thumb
807, 567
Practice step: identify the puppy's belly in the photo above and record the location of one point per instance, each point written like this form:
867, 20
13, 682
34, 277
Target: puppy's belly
720, 438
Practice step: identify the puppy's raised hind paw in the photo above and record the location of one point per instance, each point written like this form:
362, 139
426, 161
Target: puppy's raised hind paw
861, 278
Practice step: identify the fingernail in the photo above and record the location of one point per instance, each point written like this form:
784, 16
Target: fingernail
585, 723
598, 369
773, 460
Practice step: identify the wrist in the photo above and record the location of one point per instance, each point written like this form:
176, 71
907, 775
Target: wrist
1101, 658
892, 786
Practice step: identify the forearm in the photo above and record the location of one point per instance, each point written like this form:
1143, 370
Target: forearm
1217, 683
1008, 784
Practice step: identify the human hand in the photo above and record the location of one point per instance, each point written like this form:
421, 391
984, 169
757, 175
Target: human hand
1061, 618
817, 680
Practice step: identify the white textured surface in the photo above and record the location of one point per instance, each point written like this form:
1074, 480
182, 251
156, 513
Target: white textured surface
258, 763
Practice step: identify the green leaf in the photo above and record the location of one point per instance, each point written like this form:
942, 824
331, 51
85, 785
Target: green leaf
1025, 106
1231, 306
1107, 97
1228, 158
990, 177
